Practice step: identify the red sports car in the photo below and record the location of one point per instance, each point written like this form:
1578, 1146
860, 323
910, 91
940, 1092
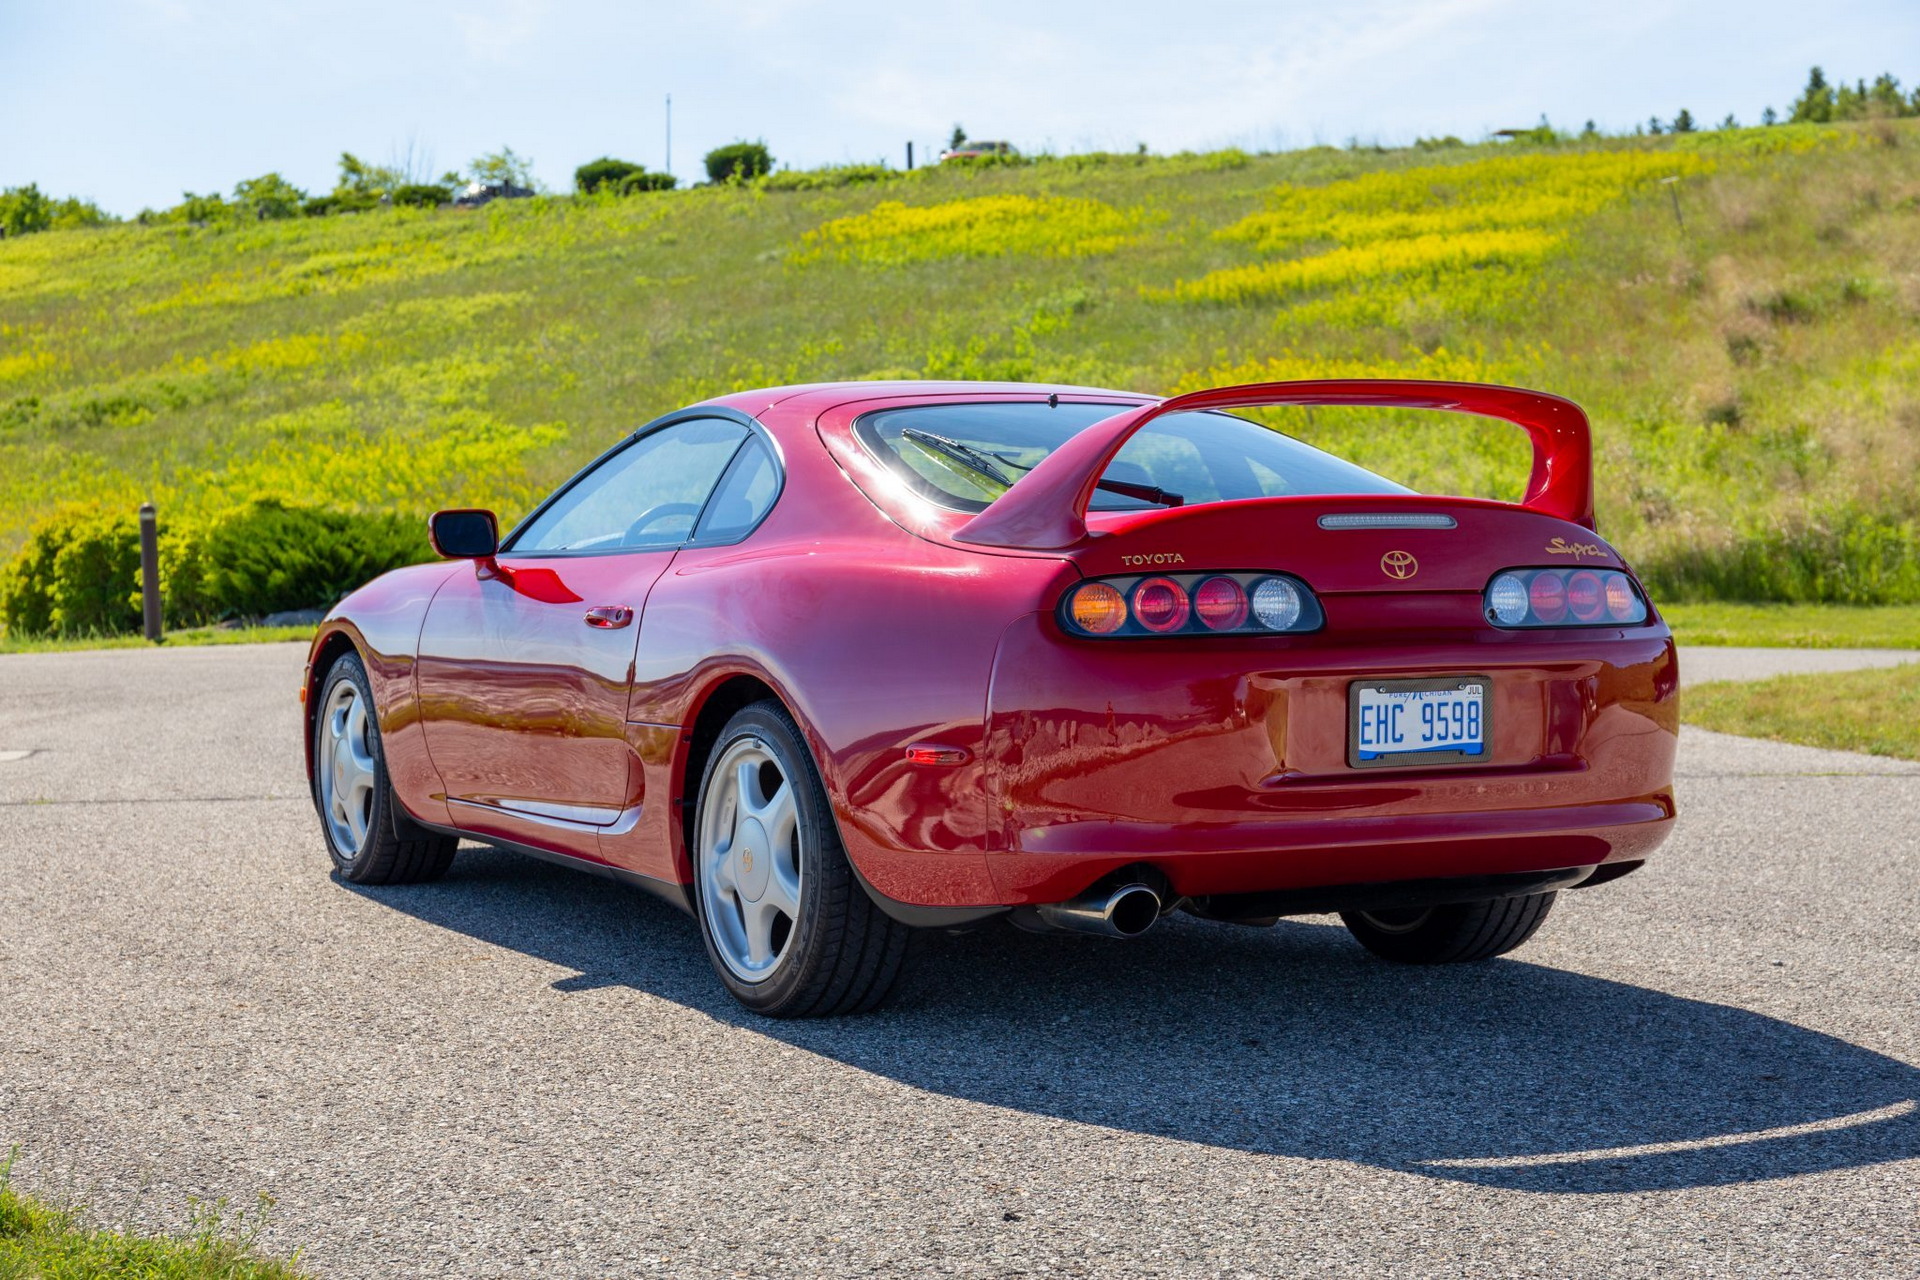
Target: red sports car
825, 664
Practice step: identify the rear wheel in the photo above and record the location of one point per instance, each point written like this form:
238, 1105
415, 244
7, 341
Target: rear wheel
1450, 934
788, 928
370, 836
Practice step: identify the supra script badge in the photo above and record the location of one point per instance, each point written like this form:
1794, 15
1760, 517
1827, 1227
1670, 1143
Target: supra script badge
1578, 550
1399, 564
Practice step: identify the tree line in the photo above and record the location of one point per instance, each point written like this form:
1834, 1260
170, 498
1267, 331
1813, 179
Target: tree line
364, 186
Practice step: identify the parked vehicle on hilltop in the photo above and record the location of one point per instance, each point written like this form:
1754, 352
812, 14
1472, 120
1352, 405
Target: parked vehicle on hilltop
823, 664
975, 149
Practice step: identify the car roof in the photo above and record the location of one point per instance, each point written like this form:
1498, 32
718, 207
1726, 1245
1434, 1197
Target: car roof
799, 405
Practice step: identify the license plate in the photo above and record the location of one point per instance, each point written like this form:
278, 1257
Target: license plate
1417, 721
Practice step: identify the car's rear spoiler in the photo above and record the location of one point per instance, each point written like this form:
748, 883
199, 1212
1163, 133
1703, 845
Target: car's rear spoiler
1046, 509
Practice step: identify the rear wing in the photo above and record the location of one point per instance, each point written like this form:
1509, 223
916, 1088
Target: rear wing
1046, 509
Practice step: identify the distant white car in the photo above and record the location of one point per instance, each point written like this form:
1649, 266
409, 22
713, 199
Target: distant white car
974, 150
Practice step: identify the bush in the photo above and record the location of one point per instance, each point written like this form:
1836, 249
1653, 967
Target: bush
267, 556
79, 572
739, 161
637, 182
423, 195
604, 172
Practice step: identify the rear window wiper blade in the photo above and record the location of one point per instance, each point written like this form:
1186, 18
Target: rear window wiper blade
982, 462
972, 459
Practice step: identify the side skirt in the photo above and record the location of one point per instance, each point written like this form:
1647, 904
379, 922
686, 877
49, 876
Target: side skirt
665, 890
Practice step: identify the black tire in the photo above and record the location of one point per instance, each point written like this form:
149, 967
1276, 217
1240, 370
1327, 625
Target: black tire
1452, 934
390, 848
842, 954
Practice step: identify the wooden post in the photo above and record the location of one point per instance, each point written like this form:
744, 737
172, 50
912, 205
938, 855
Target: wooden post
149, 572
909, 157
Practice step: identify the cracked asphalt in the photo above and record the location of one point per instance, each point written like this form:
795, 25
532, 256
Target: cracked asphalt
1711, 1068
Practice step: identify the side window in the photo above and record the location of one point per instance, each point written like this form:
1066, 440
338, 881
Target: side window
743, 497
647, 495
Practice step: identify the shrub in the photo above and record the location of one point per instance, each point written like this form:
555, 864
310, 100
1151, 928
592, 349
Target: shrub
640, 180
78, 574
741, 161
604, 172
422, 195
268, 556
193, 208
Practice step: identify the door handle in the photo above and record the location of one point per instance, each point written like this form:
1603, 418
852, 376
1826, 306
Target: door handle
609, 617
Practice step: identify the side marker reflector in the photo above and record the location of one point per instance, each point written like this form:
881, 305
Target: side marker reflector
933, 753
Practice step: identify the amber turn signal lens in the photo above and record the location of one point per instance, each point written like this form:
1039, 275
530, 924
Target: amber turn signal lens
1098, 609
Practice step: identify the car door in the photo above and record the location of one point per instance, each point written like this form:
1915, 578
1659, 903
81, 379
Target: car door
526, 661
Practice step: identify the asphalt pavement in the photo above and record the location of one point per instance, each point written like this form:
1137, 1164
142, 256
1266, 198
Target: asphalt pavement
1710, 1068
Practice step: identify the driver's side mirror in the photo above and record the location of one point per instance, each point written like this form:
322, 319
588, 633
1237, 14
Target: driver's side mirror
464, 533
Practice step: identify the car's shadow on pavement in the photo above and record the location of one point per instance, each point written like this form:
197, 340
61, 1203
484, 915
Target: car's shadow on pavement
1290, 1041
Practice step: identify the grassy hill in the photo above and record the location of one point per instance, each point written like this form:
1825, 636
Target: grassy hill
1739, 312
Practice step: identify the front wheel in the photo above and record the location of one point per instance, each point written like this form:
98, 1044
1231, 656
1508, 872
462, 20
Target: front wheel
789, 930
370, 836
1451, 934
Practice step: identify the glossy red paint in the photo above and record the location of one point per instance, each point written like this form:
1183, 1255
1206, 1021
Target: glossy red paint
1220, 761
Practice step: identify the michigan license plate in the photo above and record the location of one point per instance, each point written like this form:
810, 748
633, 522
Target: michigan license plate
1417, 721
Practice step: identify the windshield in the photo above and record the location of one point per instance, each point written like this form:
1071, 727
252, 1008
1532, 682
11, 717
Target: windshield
963, 456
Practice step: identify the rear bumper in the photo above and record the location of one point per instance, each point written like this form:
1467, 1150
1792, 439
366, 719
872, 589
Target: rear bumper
1321, 850
1224, 765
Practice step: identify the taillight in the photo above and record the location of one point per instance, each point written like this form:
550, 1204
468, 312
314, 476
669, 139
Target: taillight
1161, 605
1098, 609
1221, 604
1564, 598
1191, 604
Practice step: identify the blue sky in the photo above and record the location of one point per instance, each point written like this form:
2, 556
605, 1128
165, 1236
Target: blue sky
130, 102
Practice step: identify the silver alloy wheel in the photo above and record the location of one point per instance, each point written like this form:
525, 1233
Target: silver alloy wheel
346, 769
748, 841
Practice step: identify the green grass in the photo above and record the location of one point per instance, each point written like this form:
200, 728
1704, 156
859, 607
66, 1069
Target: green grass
1876, 711
40, 1241
1796, 626
1753, 375
173, 639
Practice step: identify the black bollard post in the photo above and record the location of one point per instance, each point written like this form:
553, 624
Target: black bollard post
149, 572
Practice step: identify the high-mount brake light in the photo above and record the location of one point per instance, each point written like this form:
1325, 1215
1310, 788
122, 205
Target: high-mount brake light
1161, 605
1564, 598
1221, 604
1146, 606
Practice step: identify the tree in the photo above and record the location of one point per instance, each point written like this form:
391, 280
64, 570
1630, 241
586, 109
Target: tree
1815, 103
604, 172
1683, 123
24, 210
192, 208
502, 168
739, 162
1769, 117
358, 178
958, 140
269, 196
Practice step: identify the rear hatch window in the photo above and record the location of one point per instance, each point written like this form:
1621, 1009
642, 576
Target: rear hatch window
963, 456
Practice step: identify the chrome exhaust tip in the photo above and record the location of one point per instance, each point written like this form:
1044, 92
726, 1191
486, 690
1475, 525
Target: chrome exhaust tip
1125, 912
